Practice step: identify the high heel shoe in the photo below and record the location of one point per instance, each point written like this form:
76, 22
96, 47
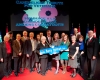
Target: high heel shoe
56, 72
74, 75
63, 72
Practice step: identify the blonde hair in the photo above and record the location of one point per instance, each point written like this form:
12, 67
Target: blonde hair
68, 42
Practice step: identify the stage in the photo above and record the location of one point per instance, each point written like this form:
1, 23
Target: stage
49, 76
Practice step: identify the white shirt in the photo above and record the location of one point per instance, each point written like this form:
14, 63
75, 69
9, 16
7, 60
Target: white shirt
32, 42
49, 39
90, 38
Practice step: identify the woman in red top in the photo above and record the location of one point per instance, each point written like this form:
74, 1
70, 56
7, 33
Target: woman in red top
5, 55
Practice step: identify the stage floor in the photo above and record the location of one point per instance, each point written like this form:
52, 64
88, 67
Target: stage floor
49, 76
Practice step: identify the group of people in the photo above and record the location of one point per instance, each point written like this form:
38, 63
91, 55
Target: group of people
25, 51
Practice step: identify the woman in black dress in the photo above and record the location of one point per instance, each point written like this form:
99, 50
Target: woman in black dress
73, 51
43, 58
37, 55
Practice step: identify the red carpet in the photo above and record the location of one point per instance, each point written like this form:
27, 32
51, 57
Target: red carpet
49, 76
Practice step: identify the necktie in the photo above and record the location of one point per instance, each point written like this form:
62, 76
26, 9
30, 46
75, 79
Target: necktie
88, 41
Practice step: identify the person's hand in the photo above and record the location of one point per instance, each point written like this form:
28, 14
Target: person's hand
61, 50
20, 54
54, 53
1, 60
68, 55
67, 50
73, 57
27, 55
94, 57
40, 54
82, 52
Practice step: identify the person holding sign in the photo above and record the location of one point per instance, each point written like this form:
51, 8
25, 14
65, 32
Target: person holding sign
64, 54
56, 56
43, 58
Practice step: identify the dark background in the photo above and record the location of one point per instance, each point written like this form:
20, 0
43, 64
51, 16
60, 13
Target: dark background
82, 12
79, 12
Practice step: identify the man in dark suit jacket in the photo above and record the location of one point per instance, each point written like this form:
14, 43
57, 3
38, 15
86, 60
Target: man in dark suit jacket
49, 42
30, 50
17, 52
92, 46
24, 58
6, 55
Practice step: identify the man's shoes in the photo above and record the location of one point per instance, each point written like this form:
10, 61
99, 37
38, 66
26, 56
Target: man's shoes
20, 72
90, 77
42, 74
33, 70
16, 74
50, 69
7, 76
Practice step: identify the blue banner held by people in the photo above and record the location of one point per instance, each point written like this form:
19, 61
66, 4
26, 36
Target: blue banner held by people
53, 50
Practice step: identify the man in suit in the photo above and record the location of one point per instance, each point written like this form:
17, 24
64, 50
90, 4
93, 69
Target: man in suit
6, 55
24, 58
17, 53
92, 46
30, 50
49, 42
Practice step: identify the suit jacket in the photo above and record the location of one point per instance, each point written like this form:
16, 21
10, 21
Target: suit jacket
11, 40
91, 48
49, 43
41, 46
28, 46
24, 47
17, 48
3, 52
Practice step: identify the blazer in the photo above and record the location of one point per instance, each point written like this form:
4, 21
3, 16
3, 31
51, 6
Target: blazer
16, 48
41, 46
28, 46
91, 48
24, 47
3, 53
48, 40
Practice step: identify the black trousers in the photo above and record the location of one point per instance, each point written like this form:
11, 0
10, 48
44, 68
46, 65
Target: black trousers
91, 66
49, 63
12, 64
7, 65
81, 62
17, 64
43, 62
31, 61
24, 58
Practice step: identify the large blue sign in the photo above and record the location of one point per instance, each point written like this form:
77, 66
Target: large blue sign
53, 50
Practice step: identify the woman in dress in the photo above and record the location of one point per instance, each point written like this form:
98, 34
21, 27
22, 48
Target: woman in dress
56, 57
73, 51
64, 54
37, 55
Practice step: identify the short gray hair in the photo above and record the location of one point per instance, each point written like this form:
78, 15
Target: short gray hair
43, 37
6, 36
